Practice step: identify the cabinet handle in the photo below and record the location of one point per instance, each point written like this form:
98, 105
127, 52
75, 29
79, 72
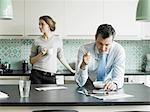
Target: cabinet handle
34, 35
11, 35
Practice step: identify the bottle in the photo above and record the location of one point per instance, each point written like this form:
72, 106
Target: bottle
25, 66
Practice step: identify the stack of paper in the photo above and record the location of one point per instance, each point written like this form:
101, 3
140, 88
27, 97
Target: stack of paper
112, 96
102, 91
50, 88
3, 95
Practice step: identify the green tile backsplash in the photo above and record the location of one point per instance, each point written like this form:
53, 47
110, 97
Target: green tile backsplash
14, 51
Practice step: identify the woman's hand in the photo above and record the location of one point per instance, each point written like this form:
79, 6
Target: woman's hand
73, 71
44, 51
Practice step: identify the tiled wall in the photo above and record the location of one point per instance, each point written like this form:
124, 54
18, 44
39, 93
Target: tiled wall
16, 50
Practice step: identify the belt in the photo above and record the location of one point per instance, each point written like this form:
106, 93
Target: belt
44, 73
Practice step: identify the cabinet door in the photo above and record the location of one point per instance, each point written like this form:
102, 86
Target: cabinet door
16, 25
145, 30
60, 79
140, 79
83, 17
121, 14
147, 80
9, 80
36, 8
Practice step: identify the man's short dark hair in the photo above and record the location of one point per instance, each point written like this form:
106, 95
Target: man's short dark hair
105, 30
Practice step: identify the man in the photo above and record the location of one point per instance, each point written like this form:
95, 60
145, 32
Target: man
90, 56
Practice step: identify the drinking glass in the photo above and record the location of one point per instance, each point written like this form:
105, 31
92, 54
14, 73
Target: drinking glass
24, 88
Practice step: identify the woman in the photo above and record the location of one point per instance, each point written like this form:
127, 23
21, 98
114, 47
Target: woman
44, 53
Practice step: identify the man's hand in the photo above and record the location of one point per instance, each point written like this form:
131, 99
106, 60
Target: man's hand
86, 58
85, 61
109, 85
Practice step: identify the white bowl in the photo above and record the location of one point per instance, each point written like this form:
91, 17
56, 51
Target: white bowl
98, 84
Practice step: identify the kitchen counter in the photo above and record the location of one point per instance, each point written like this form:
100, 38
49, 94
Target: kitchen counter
16, 73
68, 73
127, 72
69, 98
136, 72
13, 77
21, 73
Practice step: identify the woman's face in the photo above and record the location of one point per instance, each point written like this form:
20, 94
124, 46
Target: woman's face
43, 26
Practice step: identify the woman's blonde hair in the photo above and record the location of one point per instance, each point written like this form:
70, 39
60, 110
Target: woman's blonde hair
49, 21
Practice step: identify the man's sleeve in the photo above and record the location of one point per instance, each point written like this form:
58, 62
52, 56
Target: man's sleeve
81, 76
119, 68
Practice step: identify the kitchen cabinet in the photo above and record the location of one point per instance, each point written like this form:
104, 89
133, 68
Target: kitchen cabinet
135, 79
36, 8
71, 21
14, 27
121, 14
82, 17
145, 30
75, 18
11, 79
15, 79
147, 80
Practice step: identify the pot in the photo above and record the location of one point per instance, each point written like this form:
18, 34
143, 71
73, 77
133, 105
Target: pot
6, 66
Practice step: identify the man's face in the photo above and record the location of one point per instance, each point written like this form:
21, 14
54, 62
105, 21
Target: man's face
103, 45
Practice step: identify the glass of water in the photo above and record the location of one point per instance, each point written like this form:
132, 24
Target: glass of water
24, 88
